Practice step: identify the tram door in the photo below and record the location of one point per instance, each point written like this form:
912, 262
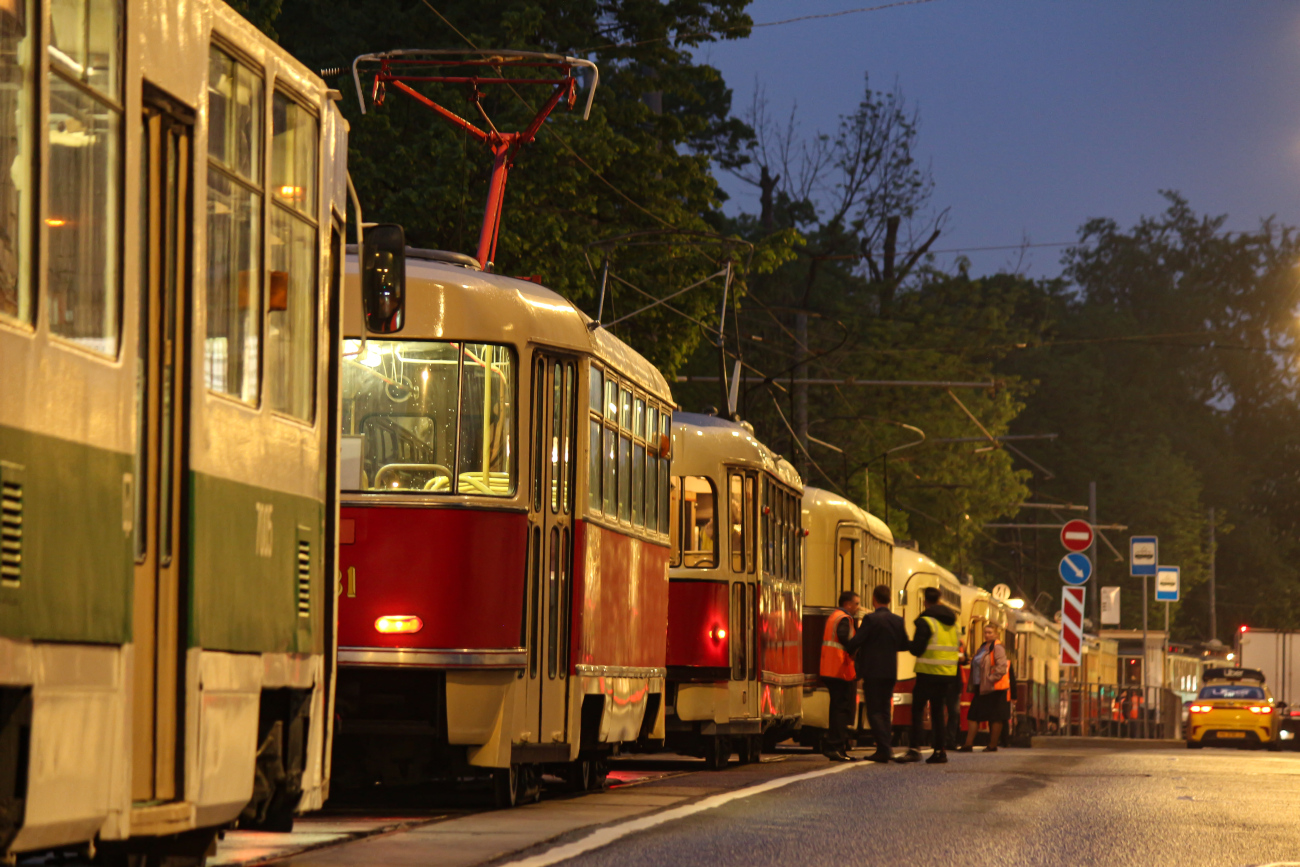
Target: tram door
847, 564
550, 544
159, 465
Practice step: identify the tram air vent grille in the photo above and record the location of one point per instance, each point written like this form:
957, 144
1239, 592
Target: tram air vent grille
304, 578
11, 533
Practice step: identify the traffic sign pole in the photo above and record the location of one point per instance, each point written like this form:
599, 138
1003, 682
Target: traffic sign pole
1142, 558
1146, 657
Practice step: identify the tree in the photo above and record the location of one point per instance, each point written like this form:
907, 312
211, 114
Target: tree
642, 162
1169, 374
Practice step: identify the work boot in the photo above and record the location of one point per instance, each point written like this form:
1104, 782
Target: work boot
909, 756
938, 758
880, 756
837, 756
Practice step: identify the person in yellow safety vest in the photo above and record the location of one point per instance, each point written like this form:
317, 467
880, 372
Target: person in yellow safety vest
839, 676
990, 681
936, 644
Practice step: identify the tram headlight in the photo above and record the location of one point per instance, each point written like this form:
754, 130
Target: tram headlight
391, 623
717, 633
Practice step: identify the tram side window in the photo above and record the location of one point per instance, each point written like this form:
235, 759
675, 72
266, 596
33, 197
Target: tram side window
234, 297
291, 295
17, 110
84, 171
700, 522
410, 406
736, 515
665, 431
652, 470
675, 523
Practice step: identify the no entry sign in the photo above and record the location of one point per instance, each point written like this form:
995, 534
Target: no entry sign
1076, 535
1071, 625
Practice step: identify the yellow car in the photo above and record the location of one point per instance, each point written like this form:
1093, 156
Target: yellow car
1234, 708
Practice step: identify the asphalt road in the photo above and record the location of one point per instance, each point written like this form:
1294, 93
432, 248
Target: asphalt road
1043, 806
1015, 807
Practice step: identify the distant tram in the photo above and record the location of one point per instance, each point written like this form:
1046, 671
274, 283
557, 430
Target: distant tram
847, 548
735, 592
504, 535
173, 189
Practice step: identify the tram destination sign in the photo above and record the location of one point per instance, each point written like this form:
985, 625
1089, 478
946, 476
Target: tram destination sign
1142, 556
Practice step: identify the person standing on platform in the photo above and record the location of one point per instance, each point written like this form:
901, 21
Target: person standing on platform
990, 687
936, 643
838, 674
875, 652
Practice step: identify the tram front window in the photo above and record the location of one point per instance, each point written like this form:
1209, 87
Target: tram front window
414, 411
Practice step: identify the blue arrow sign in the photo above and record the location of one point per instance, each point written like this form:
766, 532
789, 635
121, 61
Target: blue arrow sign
1075, 568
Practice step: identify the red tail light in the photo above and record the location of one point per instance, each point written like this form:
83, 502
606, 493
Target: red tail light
1200, 708
1261, 708
390, 623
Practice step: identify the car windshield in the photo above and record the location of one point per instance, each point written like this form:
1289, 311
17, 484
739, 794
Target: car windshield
1246, 692
414, 411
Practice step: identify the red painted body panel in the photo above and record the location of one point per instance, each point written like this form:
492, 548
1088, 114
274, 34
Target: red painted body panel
695, 610
780, 631
620, 599
461, 571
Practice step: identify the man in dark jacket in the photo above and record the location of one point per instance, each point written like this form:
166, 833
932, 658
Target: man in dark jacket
875, 650
936, 644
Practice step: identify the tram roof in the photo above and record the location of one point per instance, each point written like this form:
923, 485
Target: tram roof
822, 505
706, 440
446, 301
908, 561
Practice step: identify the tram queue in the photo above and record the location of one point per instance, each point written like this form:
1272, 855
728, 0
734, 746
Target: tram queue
280, 518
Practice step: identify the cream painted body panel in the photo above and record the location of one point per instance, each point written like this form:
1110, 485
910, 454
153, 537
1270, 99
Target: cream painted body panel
825, 515
78, 769
223, 694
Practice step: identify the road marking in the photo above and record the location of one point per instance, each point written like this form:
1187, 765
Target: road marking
605, 836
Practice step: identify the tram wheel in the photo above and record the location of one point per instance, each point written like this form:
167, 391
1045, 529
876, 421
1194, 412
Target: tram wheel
599, 772
717, 753
505, 786
750, 749
579, 775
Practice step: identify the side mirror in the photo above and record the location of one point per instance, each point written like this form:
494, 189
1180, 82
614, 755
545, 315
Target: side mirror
383, 278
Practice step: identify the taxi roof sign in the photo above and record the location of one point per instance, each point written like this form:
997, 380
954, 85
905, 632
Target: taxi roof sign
1232, 674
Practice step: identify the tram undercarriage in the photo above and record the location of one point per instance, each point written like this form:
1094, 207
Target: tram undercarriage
397, 727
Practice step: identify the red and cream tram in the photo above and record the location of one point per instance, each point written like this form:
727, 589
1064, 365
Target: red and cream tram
503, 536
846, 548
735, 593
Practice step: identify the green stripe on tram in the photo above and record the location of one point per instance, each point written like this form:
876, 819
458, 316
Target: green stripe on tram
246, 593
76, 571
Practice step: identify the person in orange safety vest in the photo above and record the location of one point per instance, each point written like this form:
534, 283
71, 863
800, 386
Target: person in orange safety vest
838, 674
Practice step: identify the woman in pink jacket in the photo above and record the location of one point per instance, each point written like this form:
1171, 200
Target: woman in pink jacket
990, 683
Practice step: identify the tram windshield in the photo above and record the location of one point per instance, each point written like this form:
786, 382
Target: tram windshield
414, 411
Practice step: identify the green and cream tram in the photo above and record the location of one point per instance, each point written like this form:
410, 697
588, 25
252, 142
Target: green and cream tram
172, 198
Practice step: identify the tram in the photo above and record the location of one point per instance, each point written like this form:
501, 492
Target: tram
504, 542
846, 548
1037, 663
173, 195
734, 673
912, 573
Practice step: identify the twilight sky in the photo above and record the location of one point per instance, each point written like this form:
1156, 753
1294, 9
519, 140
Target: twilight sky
1038, 114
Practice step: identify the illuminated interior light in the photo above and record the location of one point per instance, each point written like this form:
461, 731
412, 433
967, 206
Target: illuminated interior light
289, 191
391, 623
55, 222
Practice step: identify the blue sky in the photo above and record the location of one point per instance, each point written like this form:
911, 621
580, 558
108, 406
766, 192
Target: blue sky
1036, 116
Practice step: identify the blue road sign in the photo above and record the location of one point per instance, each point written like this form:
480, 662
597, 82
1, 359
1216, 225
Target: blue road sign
1142, 556
1167, 583
1075, 568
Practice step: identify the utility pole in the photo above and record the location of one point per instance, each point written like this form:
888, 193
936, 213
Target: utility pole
1214, 614
1092, 555
800, 389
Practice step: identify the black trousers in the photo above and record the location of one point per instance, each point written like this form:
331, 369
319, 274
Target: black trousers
932, 690
954, 712
841, 712
877, 692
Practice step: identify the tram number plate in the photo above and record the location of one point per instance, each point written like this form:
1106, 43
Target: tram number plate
1232, 734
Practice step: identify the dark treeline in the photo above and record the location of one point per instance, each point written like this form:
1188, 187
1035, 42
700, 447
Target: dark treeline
1162, 355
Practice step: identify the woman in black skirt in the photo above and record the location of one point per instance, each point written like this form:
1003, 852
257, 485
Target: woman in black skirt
990, 684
